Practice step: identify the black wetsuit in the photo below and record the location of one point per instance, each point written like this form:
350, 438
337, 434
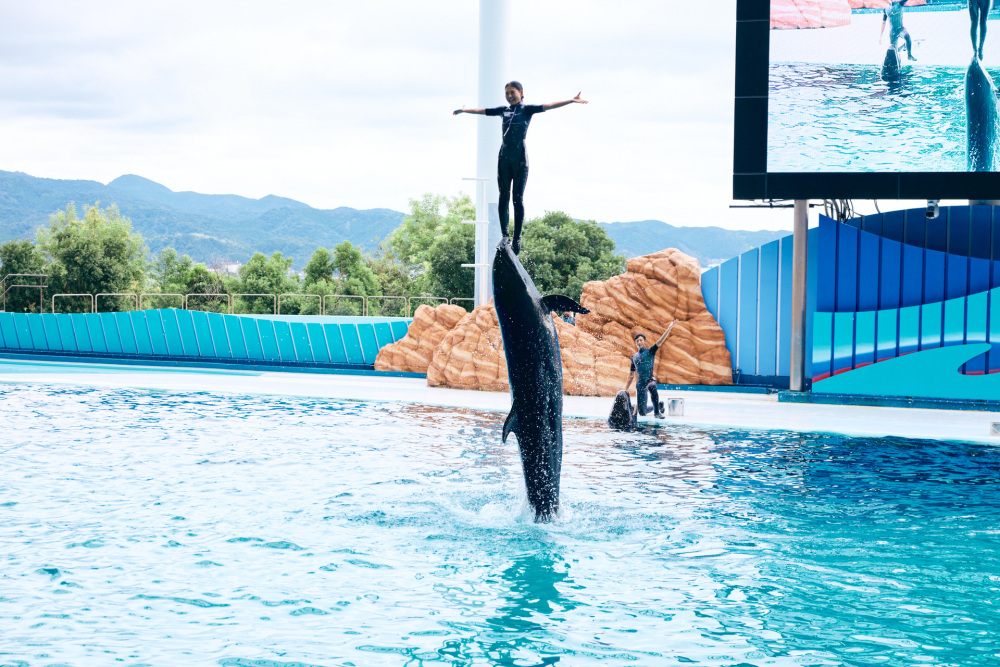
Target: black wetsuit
894, 15
512, 167
642, 366
978, 11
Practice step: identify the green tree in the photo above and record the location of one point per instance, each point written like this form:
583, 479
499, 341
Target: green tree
265, 275
22, 256
446, 275
99, 253
561, 254
319, 267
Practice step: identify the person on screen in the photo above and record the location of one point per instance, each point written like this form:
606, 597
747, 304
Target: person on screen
978, 11
512, 167
641, 371
893, 14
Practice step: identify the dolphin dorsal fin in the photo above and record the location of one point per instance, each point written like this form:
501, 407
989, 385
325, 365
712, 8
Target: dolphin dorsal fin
509, 424
561, 302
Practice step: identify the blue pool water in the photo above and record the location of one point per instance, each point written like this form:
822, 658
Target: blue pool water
846, 118
153, 528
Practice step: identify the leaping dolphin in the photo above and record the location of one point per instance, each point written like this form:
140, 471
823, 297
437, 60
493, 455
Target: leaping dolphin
981, 119
534, 370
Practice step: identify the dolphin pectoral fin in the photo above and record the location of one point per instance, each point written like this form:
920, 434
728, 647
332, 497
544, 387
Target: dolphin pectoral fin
561, 302
509, 424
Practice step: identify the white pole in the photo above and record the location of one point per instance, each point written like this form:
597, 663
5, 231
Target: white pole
494, 72
800, 255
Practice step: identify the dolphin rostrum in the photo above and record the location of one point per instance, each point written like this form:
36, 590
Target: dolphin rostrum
534, 369
981, 119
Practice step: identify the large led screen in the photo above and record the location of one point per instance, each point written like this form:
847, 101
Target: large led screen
873, 87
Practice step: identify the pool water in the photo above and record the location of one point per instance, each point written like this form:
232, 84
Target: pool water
846, 118
153, 528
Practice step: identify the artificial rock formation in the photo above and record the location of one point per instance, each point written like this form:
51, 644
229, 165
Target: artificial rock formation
879, 4
655, 290
413, 353
789, 14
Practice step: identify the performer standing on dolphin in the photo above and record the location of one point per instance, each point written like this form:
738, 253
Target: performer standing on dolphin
894, 15
642, 372
512, 168
978, 11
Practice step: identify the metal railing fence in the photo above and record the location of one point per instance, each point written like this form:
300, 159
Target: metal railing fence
40, 287
97, 297
93, 306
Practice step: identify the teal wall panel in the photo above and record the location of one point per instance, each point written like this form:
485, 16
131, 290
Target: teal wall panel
140, 329
50, 325
8, 335
767, 330
234, 333
96, 332
283, 336
886, 334
785, 308
81, 332
185, 327
251, 336
126, 333
220, 339
822, 350
317, 343
369, 345
954, 322
930, 325
300, 341
22, 331
66, 335
747, 330
111, 336
729, 306
399, 330
37, 332
864, 338
268, 340
975, 327
335, 343
909, 329
352, 344
203, 334
383, 334
164, 334
843, 341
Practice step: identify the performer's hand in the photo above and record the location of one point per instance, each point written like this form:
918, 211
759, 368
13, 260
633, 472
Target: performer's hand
457, 111
578, 100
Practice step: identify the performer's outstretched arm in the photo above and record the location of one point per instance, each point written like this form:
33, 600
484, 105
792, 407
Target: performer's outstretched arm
464, 110
556, 105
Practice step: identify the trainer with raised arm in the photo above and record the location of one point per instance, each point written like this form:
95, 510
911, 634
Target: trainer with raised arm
512, 167
642, 372
893, 14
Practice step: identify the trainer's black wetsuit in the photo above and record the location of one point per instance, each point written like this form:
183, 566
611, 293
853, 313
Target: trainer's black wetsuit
512, 167
894, 15
642, 366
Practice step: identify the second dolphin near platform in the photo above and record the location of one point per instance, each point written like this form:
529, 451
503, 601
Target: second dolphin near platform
983, 145
534, 371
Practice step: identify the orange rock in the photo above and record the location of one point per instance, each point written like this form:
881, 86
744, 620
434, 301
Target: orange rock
787, 14
413, 353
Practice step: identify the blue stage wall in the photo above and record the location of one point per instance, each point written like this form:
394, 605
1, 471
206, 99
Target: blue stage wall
202, 337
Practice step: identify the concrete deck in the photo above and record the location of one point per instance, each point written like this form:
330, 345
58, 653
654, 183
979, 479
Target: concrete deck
724, 410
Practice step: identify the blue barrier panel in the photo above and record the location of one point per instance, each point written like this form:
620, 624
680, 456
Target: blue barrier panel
96, 332
993, 326
892, 273
843, 342
399, 330
252, 337
220, 338
913, 276
981, 219
954, 322
822, 347
36, 331
767, 343
937, 230
909, 329
8, 336
234, 333
812, 278
979, 275
369, 346
975, 329
958, 277
203, 334
335, 342
268, 340
846, 276
930, 325
934, 276
864, 338
50, 325
185, 327
785, 308
81, 332
111, 336
729, 319
143, 343
868, 271
125, 333
892, 225
317, 342
66, 336
710, 290
164, 334
23, 332
352, 344
300, 341
958, 230
748, 312
915, 228
283, 336
383, 334
871, 224
826, 295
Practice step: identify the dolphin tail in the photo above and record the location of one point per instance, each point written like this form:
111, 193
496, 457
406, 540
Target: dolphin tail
509, 424
561, 302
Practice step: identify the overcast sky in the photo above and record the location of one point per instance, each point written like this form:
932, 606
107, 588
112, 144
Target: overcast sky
338, 103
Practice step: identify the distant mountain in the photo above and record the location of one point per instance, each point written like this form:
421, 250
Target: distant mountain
213, 228
206, 227
709, 245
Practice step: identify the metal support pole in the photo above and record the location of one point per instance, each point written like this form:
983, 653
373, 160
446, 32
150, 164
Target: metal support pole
800, 254
482, 244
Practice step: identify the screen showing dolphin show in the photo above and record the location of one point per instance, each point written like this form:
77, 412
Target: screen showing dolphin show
883, 86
